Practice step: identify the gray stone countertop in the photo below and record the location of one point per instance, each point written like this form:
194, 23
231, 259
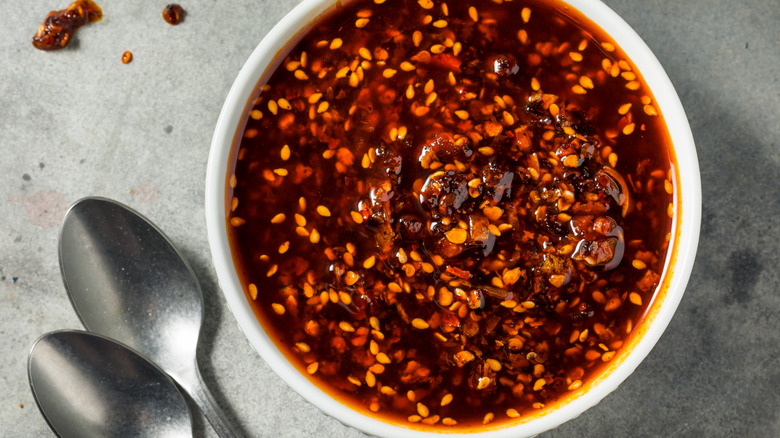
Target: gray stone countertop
78, 122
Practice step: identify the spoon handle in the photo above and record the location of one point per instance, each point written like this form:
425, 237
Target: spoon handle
196, 388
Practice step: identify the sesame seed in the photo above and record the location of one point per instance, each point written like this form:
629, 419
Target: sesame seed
356, 217
525, 14
347, 327
650, 110
493, 364
420, 324
417, 37
613, 159
370, 379
410, 92
389, 73
586, 82
354, 80
323, 106
431, 98
351, 278
606, 64
456, 235
493, 213
252, 291
314, 236
473, 14
615, 71
522, 35
386, 390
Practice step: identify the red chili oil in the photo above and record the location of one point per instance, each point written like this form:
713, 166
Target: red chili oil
451, 214
173, 14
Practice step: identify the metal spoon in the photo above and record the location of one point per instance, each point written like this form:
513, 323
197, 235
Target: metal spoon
126, 281
89, 386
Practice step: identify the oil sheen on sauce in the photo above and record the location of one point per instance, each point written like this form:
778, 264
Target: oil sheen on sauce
450, 215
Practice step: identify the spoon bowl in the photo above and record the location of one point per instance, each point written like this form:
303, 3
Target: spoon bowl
86, 385
128, 282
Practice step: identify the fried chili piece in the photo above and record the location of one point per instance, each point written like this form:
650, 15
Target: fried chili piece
58, 28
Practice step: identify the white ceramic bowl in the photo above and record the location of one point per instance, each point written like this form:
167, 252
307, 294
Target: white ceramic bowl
679, 259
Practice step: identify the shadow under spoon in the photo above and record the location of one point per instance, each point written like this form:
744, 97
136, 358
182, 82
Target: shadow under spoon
128, 282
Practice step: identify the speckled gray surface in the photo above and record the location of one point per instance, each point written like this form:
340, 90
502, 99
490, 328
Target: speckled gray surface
78, 122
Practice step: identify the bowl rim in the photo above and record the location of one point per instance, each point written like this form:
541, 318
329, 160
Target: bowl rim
679, 263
